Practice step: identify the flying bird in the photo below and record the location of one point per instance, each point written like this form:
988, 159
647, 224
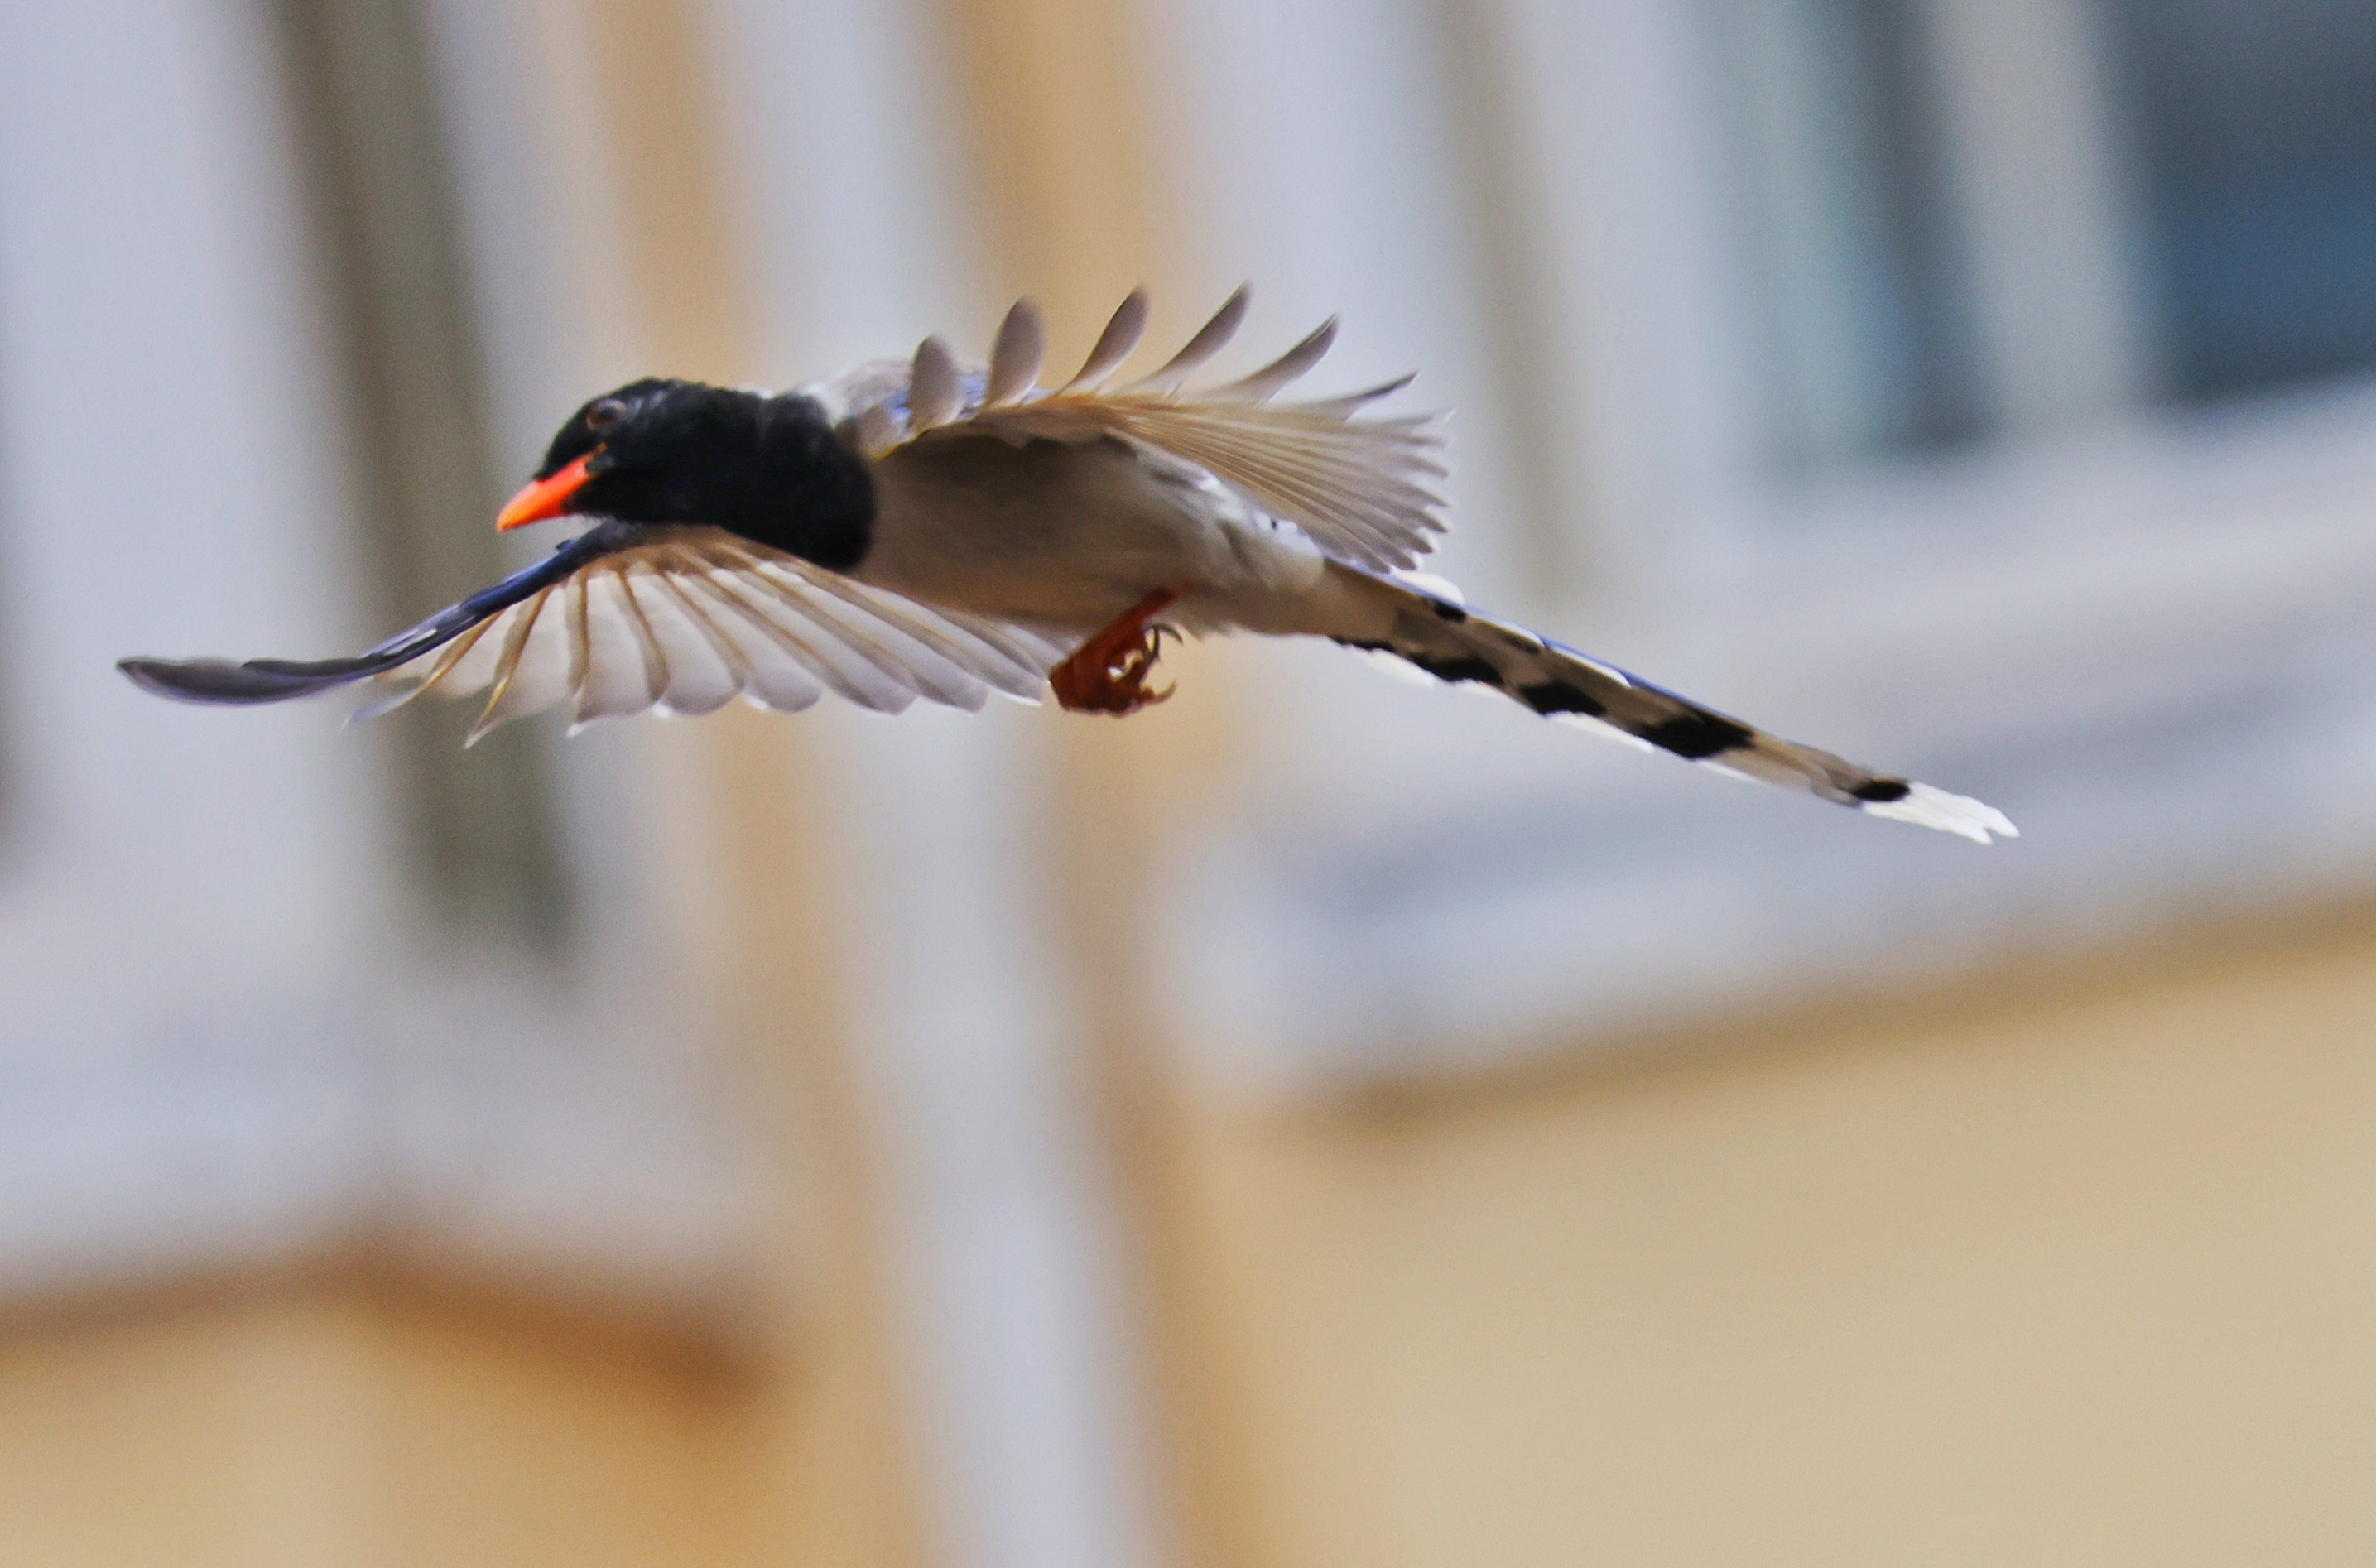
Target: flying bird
926, 527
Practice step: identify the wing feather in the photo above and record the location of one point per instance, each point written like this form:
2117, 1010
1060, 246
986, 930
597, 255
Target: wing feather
705, 671
935, 394
1114, 345
1352, 403
785, 673
1026, 647
580, 634
1018, 674
1210, 339
624, 670
1357, 486
846, 669
469, 664
691, 618
648, 648
1291, 366
1017, 356
910, 667
532, 673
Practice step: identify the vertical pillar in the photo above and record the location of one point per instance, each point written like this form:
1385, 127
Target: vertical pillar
747, 817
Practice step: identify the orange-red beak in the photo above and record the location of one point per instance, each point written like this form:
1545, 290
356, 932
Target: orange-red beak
549, 497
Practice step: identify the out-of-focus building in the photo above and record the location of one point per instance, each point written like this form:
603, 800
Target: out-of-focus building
1318, 1121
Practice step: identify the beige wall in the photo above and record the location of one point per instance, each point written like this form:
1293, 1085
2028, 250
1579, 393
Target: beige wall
343, 1424
2080, 1271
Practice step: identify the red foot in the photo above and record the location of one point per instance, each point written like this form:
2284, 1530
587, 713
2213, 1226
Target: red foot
1107, 673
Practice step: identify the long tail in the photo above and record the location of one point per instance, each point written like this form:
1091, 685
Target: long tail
1363, 610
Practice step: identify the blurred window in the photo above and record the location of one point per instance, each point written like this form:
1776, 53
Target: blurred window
1840, 146
2237, 206
2254, 127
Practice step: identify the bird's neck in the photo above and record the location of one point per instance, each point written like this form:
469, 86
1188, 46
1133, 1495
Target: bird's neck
794, 487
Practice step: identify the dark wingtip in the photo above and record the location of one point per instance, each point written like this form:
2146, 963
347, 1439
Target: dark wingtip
220, 681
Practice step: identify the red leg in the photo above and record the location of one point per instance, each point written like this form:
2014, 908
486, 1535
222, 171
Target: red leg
1107, 673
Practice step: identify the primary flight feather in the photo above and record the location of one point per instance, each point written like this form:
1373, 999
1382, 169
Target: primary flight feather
921, 528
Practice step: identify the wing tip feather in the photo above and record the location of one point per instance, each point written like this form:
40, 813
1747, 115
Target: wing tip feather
1017, 354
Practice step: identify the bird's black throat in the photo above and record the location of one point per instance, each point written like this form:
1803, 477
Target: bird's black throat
768, 468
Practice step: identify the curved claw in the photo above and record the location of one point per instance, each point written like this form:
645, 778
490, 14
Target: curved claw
1107, 673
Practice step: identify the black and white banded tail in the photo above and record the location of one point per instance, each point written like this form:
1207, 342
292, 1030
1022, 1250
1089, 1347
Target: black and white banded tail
1435, 633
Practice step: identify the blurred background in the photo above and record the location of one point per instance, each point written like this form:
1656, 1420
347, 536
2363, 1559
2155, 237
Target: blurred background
1319, 1121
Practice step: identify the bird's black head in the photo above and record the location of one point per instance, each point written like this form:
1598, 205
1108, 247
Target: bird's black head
667, 453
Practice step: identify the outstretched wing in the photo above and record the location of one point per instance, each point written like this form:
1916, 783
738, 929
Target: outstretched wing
629, 619
278, 680
1358, 487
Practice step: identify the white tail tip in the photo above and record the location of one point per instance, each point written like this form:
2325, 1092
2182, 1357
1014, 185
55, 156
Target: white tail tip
1958, 814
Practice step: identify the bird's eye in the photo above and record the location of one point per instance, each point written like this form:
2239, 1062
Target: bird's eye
605, 413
